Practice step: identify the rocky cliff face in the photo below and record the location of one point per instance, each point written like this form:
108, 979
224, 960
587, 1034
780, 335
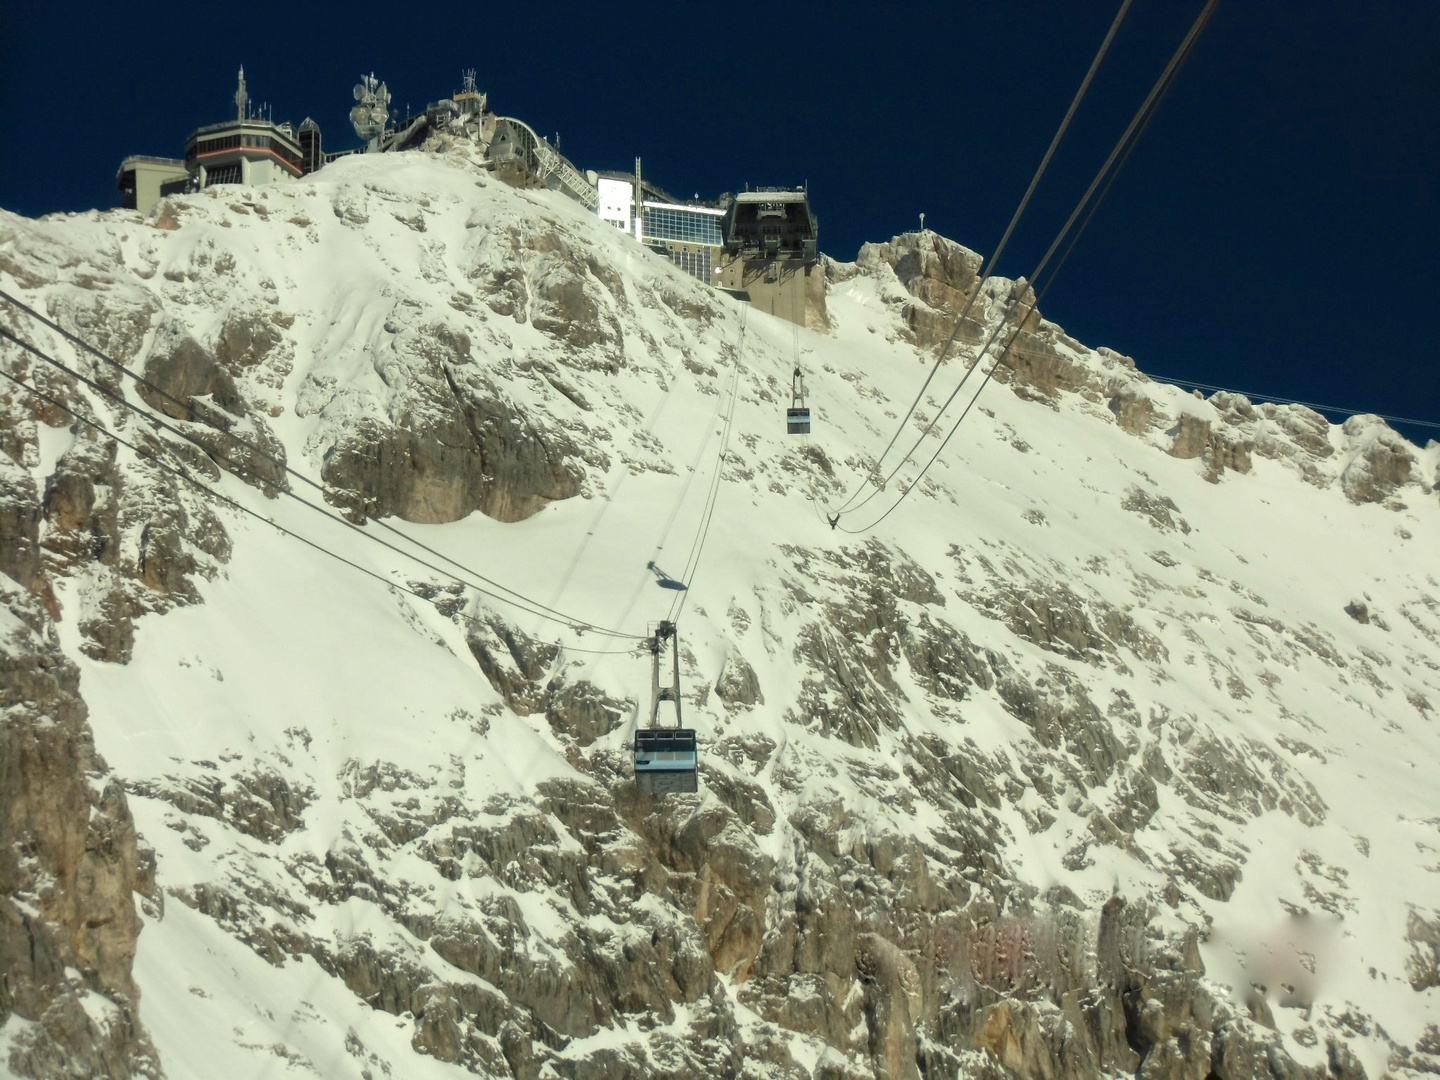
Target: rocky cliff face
69, 871
1067, 771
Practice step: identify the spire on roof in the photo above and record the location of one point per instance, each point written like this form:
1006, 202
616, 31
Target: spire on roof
241, 97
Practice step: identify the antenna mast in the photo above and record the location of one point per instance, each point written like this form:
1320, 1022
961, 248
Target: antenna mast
242, 98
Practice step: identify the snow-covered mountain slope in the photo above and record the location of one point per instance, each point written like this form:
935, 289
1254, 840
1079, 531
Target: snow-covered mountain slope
1112, 750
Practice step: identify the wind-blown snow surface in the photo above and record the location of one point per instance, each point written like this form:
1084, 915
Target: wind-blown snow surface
1200, 645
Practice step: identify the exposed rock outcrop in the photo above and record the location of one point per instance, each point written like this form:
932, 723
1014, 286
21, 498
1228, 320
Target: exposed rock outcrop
69, 866
1379, 462
941, 275
449, 444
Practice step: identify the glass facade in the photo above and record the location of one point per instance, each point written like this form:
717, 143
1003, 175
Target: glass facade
224, 174
684, 224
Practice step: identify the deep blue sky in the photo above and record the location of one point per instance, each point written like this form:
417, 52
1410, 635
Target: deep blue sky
1275, 231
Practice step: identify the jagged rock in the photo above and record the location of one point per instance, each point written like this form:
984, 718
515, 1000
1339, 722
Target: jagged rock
243, 446
1224, 451
68, 867
449, 444
939, 273
1307, 428
1060, 714
1030, 1042
845, 700
514, 663
1242, 779
1190, 436
180, 369
1241, 1048
732, 881
252, 344
19, 524
746, 799
566, 305
1381, 464
437, 1027
582, 711
945, 661
149, 532
1134, 411
1423, 964
1058, 620
108, 627
738, 684
1158, 508
82, 505
1034, 363
261, 804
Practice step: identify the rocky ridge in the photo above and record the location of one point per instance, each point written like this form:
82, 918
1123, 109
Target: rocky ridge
974, 802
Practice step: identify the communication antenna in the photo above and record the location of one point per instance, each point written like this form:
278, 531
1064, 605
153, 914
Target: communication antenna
922, 221
242, 98
468, 81
370, 116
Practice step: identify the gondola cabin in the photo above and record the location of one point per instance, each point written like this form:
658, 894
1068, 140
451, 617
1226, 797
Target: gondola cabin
797, 416
665, 760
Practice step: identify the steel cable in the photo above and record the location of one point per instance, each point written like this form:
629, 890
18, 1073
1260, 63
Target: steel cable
206, 490
553, 614
523, 603
1107, 174
989, 269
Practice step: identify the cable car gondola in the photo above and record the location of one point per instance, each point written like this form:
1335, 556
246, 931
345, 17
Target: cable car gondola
797, 416
666, 758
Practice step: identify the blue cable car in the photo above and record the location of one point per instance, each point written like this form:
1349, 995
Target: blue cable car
665, 757
665, 760
797, 416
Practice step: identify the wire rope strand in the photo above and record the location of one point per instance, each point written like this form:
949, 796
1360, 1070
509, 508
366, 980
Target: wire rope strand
235, 504
1274, 400
279, 463
989, 270
692, 562
1106, 174
523, 603
605, 505
1149, 108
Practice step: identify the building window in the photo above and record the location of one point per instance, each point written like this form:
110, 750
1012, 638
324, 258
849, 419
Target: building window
694, 263
225, 174
682, 225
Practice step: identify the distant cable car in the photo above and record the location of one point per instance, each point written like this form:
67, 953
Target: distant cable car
797, 416
666, 759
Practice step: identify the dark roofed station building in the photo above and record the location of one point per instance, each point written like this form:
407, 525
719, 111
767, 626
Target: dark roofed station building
771, 224
245, 150
770, 252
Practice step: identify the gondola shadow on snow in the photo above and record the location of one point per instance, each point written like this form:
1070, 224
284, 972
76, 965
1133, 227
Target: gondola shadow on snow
664, 580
